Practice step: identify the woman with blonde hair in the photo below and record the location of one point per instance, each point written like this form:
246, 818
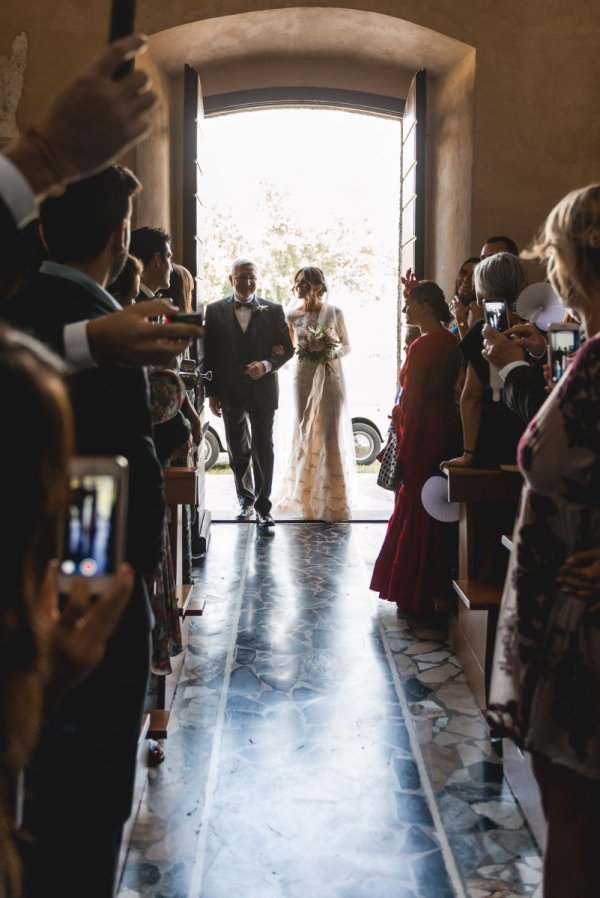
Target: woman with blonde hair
545, 691
181, 289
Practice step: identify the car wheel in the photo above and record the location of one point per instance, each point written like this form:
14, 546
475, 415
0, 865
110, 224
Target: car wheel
210, 449
367, 443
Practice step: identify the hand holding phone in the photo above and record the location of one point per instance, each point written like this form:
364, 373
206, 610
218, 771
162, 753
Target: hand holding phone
94, 538
182, 318
84, 626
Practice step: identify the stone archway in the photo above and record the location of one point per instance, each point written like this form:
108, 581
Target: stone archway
331, 48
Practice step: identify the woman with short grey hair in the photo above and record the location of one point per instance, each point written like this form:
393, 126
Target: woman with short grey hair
501, 276
491, 431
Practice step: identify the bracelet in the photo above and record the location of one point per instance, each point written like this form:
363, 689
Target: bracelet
47, 153
542, 354
468, 452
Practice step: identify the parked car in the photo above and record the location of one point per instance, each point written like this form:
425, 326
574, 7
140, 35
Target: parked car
369, 426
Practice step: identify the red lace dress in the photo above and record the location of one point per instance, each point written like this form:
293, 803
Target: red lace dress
413, 564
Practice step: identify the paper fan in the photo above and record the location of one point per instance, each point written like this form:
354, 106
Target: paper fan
434, 497
539, 304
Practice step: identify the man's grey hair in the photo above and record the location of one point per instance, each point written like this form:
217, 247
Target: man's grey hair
237, 263
501, 276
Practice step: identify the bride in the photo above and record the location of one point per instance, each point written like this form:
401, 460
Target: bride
314, 482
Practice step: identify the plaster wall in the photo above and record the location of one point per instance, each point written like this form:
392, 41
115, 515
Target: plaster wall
512, 95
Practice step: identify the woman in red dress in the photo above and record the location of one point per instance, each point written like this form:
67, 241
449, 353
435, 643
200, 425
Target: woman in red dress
413, 568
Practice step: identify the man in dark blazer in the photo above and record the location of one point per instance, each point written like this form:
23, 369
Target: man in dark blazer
240, 335
81, 780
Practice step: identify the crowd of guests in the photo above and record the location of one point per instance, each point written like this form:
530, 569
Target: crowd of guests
78, 308
546, 675
75, 673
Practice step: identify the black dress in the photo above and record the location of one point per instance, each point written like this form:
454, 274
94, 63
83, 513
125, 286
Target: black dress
500, 428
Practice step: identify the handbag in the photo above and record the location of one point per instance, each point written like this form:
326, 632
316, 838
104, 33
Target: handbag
390, 472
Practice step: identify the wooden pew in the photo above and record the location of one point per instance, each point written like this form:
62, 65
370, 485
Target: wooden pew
181, 486
488, 503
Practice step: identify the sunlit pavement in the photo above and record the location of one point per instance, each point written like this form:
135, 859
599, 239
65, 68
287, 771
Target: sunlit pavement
371, 502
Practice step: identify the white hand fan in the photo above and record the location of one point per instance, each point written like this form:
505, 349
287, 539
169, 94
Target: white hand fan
539, 304
434, 497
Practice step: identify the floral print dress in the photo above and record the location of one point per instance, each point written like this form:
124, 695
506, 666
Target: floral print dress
545, 691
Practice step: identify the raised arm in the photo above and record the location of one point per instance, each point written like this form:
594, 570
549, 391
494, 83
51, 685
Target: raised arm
470, 413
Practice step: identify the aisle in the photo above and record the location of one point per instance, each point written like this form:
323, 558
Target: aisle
294, 768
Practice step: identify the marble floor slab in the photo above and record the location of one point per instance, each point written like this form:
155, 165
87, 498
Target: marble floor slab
320, 746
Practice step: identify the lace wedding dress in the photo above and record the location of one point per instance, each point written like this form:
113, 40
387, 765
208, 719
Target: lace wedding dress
314, 480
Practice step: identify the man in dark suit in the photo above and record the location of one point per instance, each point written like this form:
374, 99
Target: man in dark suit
240, 334
82, 777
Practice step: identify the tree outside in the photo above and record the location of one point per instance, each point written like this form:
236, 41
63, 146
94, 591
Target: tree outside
329, 197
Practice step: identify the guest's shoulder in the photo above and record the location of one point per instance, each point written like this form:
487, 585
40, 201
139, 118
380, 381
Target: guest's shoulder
217, 303
273, 307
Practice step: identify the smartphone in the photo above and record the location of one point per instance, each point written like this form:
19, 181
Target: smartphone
122, 18
193, 318
496, 313
94, 536
563, 342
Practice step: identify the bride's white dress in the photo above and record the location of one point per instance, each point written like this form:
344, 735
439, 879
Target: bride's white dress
315, 477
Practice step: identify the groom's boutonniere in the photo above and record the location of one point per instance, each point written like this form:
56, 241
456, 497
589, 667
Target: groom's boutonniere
260, 306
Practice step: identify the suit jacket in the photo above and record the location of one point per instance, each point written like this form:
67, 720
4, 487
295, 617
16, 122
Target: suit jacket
110, 404
99, 719
524, 391
227, 351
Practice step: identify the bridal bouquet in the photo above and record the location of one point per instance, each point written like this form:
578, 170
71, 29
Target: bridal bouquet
318, 346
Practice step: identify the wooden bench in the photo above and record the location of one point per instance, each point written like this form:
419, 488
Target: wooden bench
488, 501
181, 488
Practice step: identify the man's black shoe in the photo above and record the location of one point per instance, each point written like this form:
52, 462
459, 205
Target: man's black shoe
264, 520
245, 513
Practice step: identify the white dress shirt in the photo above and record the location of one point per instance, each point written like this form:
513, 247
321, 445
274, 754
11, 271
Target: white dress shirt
16, 193
243, 316
22, 204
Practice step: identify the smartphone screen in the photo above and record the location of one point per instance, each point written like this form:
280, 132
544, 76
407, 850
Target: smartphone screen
562, 345
90, 539
496, 314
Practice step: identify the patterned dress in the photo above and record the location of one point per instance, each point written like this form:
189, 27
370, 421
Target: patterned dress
545, 691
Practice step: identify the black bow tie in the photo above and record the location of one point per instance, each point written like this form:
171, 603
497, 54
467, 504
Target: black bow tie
244, 305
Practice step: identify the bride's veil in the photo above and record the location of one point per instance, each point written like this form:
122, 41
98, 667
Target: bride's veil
287, 416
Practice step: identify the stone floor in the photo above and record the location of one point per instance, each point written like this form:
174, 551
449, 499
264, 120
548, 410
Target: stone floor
322, 747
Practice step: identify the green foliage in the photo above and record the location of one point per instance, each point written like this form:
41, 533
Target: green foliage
280, 245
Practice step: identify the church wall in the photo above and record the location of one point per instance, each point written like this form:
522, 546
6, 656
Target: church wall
521, 104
